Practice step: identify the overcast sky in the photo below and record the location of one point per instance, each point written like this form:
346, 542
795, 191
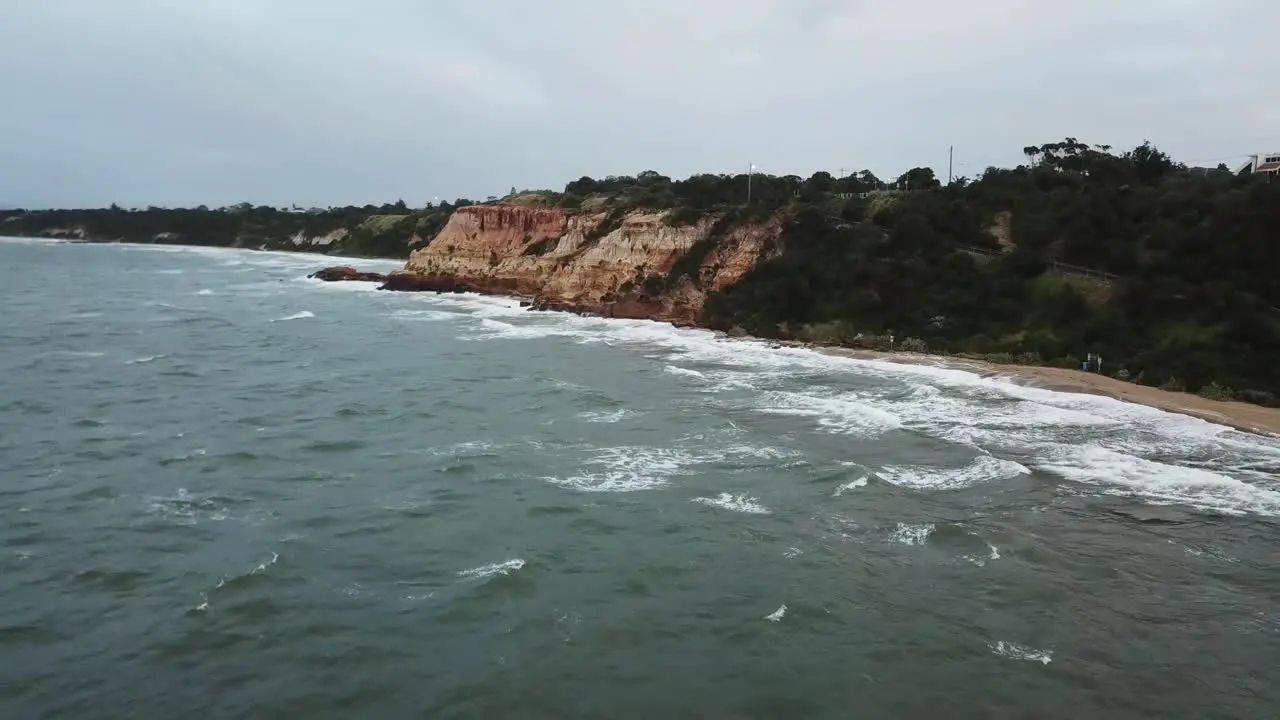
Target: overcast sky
322, 102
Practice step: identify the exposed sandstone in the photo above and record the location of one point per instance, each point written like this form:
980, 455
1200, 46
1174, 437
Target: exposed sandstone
590, 262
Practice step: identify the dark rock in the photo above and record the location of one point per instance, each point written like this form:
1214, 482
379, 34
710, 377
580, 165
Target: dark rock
346, 273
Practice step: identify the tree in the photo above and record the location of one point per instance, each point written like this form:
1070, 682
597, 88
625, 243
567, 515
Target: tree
920, 178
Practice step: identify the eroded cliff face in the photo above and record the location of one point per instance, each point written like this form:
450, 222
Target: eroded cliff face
591, 261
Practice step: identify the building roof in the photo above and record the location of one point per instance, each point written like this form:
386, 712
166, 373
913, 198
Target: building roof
1268, 167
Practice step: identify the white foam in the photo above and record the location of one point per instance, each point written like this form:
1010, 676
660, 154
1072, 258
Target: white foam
736, 503
1161, 483
983, 469
627, 469
911, 534
484, 571
424, 315
685, 372
594, 416
758, 452
145, 359
842, 413
262, 567
777, 615
205, 291
851, 485
350, 286
297, 316
1021, 652
982, 560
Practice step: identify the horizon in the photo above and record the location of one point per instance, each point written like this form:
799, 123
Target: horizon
491, 198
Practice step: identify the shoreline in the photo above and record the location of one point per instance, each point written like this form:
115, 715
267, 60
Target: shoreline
1245, 417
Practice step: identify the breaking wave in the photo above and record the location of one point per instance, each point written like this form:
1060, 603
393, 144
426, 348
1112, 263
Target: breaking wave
736, 503
1021, 652
486, 571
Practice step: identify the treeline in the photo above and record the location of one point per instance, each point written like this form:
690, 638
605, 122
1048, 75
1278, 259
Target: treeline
1195, 304
370, 230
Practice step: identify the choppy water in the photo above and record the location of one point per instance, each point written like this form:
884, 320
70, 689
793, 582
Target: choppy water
231, 491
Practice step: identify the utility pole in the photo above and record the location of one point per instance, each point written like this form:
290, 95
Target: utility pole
750, 168
951, 156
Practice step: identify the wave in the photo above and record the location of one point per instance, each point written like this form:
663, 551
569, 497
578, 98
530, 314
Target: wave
844, 414
983, 469
908, 534
296, 316
982, 560
686, 372
485, 571
736, 503
851, 485
777, 615
1161, 483
204, 292
627, 469
423, 315
145, 359
1021, 652
597, 416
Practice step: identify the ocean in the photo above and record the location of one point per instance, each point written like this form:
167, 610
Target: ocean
229, 491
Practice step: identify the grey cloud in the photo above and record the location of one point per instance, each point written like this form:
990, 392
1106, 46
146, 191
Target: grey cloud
273, 101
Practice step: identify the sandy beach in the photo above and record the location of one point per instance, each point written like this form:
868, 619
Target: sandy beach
1238, 415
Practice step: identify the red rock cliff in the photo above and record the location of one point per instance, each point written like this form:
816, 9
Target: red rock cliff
586, 260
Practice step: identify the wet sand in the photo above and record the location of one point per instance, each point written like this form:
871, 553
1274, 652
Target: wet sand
1238, 415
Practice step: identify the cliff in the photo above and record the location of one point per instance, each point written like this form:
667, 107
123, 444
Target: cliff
621, 264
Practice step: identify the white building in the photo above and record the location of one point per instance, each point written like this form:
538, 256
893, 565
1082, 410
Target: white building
1263, 163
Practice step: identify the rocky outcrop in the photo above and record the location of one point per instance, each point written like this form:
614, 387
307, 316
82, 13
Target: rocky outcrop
346, 273
303, 241
613, 264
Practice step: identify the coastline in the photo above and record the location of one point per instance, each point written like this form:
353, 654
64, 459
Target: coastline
1245, 417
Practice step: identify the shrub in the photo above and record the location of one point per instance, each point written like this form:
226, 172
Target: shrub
1258, 397
1173, 385
913, 344
838, 332
683, 215
1214, 391
608, 224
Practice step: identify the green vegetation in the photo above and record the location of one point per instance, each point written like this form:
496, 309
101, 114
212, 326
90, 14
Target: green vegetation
1168, 272
370, 231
